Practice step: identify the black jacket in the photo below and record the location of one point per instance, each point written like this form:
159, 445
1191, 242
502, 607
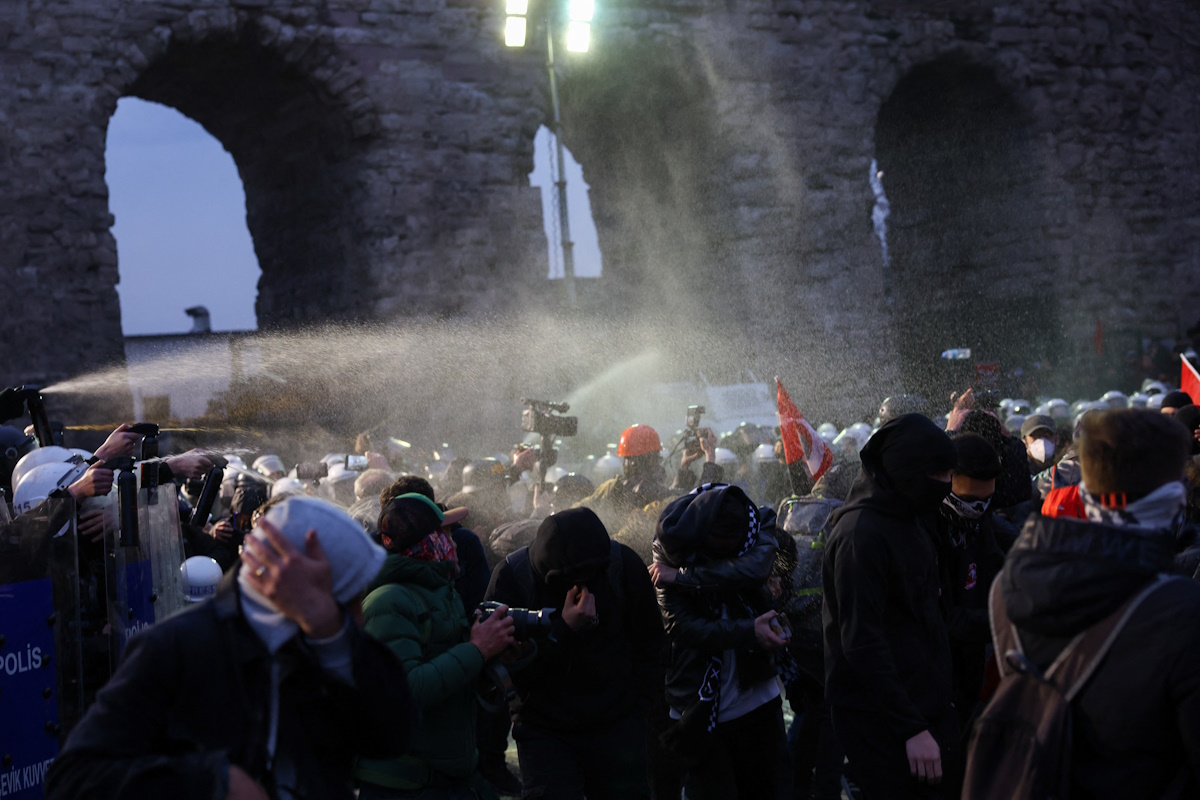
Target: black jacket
969, 559
192, 697
691, 608
1137, 721
589, 679
886, 647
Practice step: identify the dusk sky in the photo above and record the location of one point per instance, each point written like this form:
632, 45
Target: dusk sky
181, 221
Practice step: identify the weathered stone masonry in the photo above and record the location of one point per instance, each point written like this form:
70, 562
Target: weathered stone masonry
384, 147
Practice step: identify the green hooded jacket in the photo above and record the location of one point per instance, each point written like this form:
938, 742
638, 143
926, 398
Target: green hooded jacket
413, 609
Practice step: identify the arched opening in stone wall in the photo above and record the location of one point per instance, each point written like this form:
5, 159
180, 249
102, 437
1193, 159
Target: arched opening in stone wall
180, 227
298, 156
969, 263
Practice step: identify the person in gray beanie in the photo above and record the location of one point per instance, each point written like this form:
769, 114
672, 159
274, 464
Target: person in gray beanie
269, 690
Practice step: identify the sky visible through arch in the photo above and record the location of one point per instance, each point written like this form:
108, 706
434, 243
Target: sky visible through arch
181, 231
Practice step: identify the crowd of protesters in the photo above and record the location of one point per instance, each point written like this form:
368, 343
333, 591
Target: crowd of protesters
894, 629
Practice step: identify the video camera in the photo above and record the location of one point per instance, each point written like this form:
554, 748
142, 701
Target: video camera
527, 624
312, 471
541, 417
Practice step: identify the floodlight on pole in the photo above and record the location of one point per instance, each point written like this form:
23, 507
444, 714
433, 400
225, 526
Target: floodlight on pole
577, 38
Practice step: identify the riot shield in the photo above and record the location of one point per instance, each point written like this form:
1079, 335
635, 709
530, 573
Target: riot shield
41, 687
161, 532
145, 585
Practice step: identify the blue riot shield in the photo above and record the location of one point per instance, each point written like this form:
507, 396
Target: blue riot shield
41, 687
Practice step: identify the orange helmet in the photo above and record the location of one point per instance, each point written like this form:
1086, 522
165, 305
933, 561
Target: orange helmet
638, 440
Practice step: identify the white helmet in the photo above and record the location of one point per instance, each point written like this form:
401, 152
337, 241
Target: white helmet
331, 459
1138, 400
338, 486
200, 578
79, 451
861, 432
35, 458
234, 460
268, 465
725, 457
1006, 406
1059, 409
1013, 423
846, 444
1155, 402
827, 431
286, 487
554, 473
1021, 408
37, 484
607, 467
1154, 387
765, 454
1115, 399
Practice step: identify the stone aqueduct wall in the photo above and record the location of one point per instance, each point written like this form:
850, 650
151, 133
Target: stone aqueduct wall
384, 147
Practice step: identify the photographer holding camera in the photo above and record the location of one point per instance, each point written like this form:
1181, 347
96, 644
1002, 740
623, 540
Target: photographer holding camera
414, 609
580, 727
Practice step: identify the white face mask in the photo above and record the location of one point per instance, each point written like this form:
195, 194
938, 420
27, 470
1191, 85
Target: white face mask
1042, 450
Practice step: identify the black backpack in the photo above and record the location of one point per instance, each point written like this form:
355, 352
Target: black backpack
1021, 746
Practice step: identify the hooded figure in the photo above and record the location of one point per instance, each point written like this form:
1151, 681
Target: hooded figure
235, 689
1189, 418
887, 655
721, 683
1136, 722
581, 724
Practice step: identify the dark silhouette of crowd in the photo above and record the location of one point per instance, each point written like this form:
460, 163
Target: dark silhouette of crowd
996, 602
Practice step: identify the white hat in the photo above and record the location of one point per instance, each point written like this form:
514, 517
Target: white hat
354, 559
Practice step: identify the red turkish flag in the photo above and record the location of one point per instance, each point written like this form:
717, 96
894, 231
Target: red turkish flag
1189, 380
800, 442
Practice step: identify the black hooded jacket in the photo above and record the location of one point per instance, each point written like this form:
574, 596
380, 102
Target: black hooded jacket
589, 679
969, 559
886, 647
691, 610
1137, 721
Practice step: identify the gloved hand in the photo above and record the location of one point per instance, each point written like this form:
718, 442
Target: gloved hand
12, 403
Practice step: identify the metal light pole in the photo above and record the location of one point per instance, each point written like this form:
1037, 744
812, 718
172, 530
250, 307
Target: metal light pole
564, 219
578, 36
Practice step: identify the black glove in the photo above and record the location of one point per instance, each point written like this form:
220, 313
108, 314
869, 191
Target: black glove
12, 403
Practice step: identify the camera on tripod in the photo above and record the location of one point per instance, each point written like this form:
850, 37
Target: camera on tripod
545, 418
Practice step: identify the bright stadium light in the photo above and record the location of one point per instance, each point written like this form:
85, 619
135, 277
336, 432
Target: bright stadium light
579, 35
514, 31
517, 8
582, 10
